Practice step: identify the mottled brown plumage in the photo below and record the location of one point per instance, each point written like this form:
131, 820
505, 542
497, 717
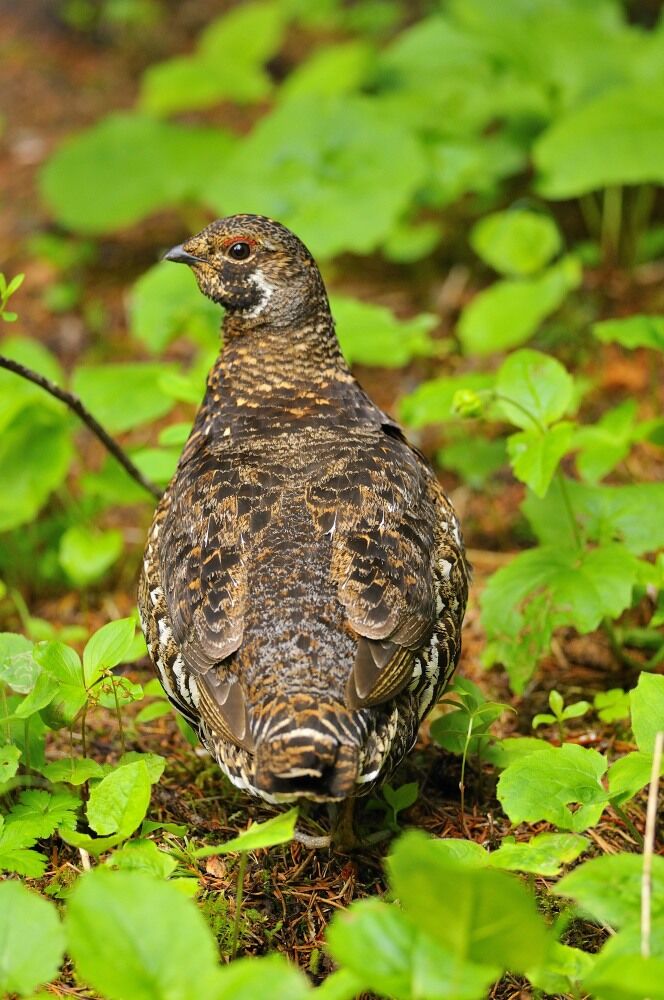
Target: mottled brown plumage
304, 580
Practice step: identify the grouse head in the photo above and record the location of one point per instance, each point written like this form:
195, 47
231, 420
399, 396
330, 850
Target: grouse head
255, 268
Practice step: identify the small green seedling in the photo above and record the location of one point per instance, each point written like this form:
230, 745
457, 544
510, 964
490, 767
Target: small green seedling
560, 713
6, 292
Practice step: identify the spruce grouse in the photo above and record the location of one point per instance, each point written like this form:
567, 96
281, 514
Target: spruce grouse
304, 579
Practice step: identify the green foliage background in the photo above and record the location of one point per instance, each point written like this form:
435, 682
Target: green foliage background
535, 128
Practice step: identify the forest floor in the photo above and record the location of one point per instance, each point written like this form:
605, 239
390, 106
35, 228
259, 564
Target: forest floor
54, 81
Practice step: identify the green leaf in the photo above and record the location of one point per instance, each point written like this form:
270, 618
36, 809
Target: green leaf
133, 936
247, 978
35, 452
228, 64
632, 332
142, 856
107, 647
75, 771
509, 312
127, 167
120, 801
535, 456
165, 303
614, 139
628, 775
154, 763
43, 812
604, 445
86, 555
647, 705
517, 242
313, 164
564, 969
457, 728
431, 402
16, 839
504, 752
31, 939
9, 759
372, 335
612, 705
18, 668
62, 677
626, 977
544, 854
405, 963
543, 784
480, 915
534, 389
105, 389
608, 889
334, 69
476, 460
278, 830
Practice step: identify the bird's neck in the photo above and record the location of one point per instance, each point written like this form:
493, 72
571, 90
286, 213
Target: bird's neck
269, 374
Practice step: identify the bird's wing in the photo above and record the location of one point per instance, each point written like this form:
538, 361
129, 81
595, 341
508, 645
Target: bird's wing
383, 515
215, 507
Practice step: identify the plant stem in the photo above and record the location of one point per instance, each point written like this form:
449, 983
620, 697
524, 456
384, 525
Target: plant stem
75, 404
567, 501
239, 892
591, 214
118, 713
628, 823
611, 222
649, 845
5, 713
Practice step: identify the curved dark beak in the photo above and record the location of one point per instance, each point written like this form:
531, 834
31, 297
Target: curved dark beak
180, 256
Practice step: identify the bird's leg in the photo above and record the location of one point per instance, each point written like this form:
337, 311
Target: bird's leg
344, 835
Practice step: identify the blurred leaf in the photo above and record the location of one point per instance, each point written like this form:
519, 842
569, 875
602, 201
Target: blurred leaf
372, 335
165, 302
536, 389
614, 139
517, 242
105, 390
35, 452
608, 889
476, 460
626, 977
340, 68
603, 445
227, 65
629, 774
125, 168
85, 555
632, 332
544, 854
313, 164
543, 784
32, 941
18, 668
142, 856
246, 979
612, 705
647, 705
431, 402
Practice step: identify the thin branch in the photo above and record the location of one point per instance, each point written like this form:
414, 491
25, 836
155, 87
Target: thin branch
75, 404
649, 845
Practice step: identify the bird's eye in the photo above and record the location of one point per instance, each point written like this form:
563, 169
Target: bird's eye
239, 250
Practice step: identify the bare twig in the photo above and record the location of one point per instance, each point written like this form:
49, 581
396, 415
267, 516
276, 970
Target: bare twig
75, 404
649, 845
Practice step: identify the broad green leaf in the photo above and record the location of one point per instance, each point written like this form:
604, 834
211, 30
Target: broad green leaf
605, 444
372, 335
605, 514
248, 978
17, 393
632, 332
120, 801
107, 647
504, 752
16, 839
125, 168
9, 758
466, 852
75, 771
478, 914
544, 784
62, 670
142, 856
154, 763
614, 139
105, 389
510, 311
608, 889
313, 164
330, 70
459, 728
134, 937
228, 63
475, 459
86, 555
564, 969
431, 402
31, 939
544, 854
44, 812
35, 453
278, 830
158, 464
629, 774
405, 962
647, 704
516, 243
612, 705
17, 665
626, 977
165, 302
534, 455
534, 389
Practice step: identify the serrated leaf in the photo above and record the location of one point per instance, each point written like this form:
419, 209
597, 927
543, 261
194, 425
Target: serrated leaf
31, 939
544, 784
43, 812
16, 839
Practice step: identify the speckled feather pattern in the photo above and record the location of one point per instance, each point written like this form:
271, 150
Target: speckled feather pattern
304, 579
